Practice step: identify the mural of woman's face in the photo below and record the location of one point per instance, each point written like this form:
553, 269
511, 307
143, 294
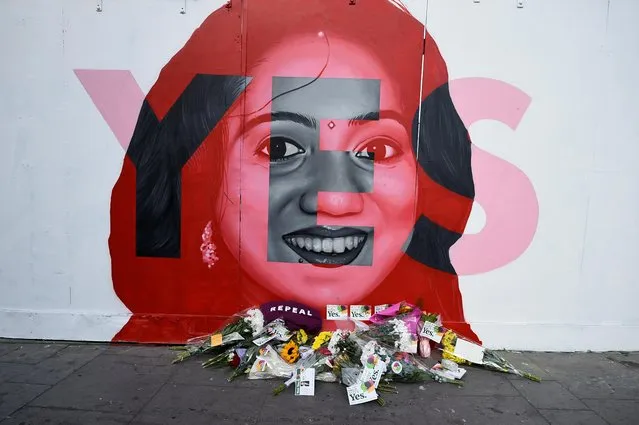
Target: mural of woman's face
322, 180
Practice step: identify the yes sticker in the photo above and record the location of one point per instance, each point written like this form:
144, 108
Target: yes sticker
360, 312
336, 312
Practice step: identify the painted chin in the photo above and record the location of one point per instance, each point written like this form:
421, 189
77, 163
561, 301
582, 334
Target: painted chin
326, 246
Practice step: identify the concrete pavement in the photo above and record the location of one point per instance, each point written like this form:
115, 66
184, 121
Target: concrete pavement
71, 383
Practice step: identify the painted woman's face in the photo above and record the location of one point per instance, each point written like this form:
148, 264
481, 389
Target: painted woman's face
325, 172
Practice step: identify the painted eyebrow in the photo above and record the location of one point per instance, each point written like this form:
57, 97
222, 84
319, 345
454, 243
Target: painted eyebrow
296, 117
375, 116
311, 122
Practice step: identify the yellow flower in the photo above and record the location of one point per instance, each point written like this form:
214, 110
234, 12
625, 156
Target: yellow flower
448, 341
321, 339
301, 337
405, 308
290, 352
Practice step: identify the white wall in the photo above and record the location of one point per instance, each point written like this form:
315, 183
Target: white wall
573, 289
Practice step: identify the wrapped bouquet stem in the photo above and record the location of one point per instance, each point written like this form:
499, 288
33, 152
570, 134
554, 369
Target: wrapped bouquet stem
219, 360
408, 369
460, 350
240, 327
495, 362
276, 330
318, 360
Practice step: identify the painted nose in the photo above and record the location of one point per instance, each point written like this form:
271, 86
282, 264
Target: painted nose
336, 173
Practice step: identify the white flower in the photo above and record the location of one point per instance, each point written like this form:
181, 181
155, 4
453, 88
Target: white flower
373, 347
337, 336
404, 341
255, 319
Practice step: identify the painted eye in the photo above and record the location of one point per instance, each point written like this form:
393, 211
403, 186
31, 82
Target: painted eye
280, 149
379, 150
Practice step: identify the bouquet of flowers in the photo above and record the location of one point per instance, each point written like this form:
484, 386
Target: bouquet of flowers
407, 369
393, 333
462, 351
225, 358
269, 364
342, 342
364, 378
321, 340
495, 362
240, 327
320, 360
274, 330
399, 309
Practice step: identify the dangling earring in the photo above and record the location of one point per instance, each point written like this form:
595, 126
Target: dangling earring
209, 257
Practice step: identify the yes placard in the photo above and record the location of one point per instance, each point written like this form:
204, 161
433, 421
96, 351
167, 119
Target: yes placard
360, 312
336, 312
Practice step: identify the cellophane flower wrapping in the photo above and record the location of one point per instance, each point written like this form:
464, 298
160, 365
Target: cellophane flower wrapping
269, 364
486, 358
240, 327
321, 360
397, 333
343, 342
407, 368
275, 330
407, 312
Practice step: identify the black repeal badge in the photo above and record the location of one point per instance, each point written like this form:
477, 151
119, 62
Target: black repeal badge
295, 315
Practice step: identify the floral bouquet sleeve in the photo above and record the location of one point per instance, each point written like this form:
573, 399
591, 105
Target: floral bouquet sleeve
462, 351
240, 327
321, 360
407, 369
395, 333
275, 330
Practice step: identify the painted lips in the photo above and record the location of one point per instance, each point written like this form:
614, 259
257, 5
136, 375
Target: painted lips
327, 246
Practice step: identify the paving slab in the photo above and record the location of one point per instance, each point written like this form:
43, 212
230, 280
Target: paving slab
48, 416
10, 370
522, 362
117, 384
63, 363
31, 353
572, 417
548, 395
477, 382
630, 360
138, 350
495, 410
193, 404
616, 412
6, 347
191, 372
590, 375
14, 396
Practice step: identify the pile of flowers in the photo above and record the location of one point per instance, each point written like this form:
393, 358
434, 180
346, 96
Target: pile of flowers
394, 346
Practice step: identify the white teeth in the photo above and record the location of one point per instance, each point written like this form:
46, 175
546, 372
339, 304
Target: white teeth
327, 245
317, 244
349, 242
338, 245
